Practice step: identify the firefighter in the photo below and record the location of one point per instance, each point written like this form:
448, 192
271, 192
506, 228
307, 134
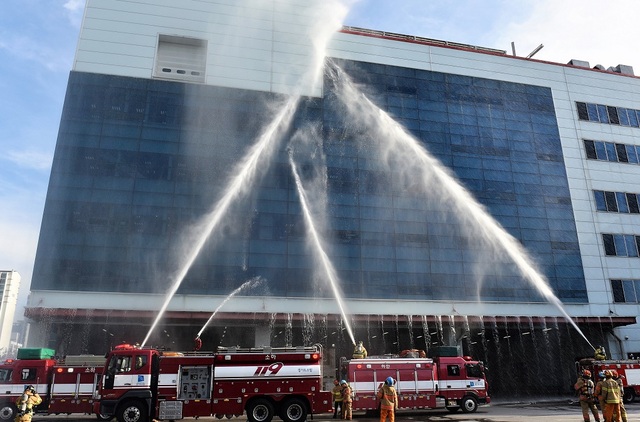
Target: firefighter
618, 379
337, 399
612, 399
585, 387
359, 352
25, 404
388, 401
600, 353
346, 400
598, 390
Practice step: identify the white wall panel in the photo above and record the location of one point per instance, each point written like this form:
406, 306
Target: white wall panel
243, 37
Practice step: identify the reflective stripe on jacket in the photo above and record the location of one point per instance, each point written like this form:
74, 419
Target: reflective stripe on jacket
610, 391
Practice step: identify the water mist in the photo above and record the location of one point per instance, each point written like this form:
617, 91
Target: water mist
316, 242
419, 171
326, 17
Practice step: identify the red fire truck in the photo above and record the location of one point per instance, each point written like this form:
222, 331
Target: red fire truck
628, 369
139, 383
451, 382
66, 386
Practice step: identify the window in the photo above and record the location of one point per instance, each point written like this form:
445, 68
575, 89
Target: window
141, 361
630, 292
181, 58
621, 152
622, 115
28, 374
612, 113
618, 291
621, 244
621, 199
610, 198
601, 204
612, 155
609, 247
120, 364
603, 116
622, 202
625, 291
610, 151
590, 149
474, 370
631, 154
5, 374
453, 370
608, 114
601, 151
632, 202
593, 112
582, 111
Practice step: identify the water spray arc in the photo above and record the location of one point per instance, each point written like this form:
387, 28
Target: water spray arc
400, 146
249, 284
317, 245
246, 173
328, 18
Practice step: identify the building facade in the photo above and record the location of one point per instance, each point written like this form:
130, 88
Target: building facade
403, 191
9, 286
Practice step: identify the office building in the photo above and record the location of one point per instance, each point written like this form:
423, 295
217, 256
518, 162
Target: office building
157, 175
9, 286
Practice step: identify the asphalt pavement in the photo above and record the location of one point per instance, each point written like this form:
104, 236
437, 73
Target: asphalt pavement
538, 410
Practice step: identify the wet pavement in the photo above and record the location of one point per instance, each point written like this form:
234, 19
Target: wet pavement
542, 411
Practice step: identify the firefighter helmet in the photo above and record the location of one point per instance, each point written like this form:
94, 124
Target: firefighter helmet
586, 373
389, 381
608, 373
343, 382
614, 373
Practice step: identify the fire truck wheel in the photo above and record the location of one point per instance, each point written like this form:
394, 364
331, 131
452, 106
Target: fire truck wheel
132, 411
260, 410
628, 395
7, 411
469, 404
294, 410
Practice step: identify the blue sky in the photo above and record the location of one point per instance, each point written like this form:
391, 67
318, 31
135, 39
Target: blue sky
38, 39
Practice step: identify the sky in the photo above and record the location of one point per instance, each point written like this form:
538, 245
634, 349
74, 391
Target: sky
38, 40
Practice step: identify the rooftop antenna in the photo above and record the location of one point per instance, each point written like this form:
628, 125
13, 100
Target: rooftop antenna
513, 48
538, 48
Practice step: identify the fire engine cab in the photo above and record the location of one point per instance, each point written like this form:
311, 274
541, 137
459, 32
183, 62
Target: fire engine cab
451, 382
628, 370
66, 386
263, 382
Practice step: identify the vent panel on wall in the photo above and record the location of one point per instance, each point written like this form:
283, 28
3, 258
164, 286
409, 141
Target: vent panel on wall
181, 58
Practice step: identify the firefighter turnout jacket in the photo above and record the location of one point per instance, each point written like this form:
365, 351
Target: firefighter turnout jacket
388, 397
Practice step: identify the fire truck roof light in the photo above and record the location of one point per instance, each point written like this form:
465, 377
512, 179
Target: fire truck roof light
307, 356
59, 370
69, 369
227, 357
316, 356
